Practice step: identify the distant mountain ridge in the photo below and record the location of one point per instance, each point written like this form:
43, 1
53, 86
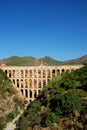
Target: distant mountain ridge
32, 61
80, 60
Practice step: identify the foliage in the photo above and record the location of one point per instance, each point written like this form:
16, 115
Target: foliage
70, 102
10, 116
5, 85
10, 102
62, 96
76, 79
51, 118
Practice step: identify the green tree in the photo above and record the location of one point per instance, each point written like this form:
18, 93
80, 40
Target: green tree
70, 102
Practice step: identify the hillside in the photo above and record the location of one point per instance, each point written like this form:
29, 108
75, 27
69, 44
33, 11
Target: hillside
80, 60
62, 104
50, 61
28, 61
11, 101
32, 61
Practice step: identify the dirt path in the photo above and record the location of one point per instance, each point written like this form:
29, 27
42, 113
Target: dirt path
12, 125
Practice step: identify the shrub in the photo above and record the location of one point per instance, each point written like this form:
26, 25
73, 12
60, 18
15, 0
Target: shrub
70, 102
10, 116
51, 118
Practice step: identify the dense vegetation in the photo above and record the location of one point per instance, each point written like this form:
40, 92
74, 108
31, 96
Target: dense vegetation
61, 97
10, 102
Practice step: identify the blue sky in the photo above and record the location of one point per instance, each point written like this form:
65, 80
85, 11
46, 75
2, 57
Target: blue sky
38, 28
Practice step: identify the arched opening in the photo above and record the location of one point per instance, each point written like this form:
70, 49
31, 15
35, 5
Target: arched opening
22, 91
9, 73
44, 83
13, 73
62, 71
39, 83
30, 73
17, 83
53, 73
30, 93
26, 83
6, 71
35, 73
13, 81
39, 91
35, 83
26, 93
58, 71
44, 74
35, 93
48, 80
22, 74
30, 83
22, 83
26, 73
67, 71
39, 73
48, 73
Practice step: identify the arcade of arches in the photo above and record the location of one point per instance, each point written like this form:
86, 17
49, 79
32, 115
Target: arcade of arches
30, 80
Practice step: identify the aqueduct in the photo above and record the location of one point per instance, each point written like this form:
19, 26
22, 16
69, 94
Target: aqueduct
30, 80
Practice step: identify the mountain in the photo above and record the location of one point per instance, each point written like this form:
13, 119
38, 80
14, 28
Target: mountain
50, 61
29, 61
80, 60
32, 61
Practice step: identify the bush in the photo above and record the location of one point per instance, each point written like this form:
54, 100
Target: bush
70, 102
51, 118
10, 116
